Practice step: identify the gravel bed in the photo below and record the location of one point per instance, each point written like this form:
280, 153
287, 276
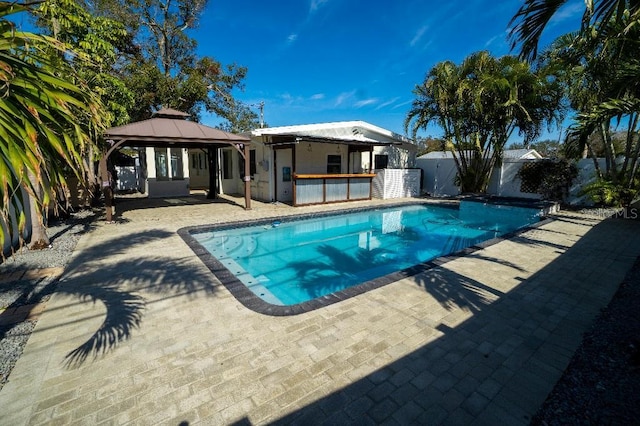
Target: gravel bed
63, 235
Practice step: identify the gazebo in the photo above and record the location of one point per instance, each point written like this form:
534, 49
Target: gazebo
170, 128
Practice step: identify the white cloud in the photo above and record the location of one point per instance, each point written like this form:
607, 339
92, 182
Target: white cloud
344, 96
317, 96
418, 35
390, 102
292, 38
365, 102
402, 104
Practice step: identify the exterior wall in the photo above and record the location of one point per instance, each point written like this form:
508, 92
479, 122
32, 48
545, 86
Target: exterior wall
312, 158
399, 158
261, 185
166, 187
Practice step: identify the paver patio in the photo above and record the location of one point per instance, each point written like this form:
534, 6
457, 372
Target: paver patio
141, 331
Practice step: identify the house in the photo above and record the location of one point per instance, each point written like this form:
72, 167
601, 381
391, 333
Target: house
325, 162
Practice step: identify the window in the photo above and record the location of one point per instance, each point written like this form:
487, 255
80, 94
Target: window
381, 161
226, 164
334, 164
176, 163
162, 172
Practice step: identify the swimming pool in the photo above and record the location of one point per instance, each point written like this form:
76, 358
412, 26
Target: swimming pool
290, 265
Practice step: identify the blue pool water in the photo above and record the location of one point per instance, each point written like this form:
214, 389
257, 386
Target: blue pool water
290, 262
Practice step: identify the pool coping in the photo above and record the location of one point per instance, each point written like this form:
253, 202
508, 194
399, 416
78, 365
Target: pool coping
253, 302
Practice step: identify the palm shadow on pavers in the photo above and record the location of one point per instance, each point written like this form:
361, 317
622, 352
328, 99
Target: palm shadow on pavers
499, 363
122, 282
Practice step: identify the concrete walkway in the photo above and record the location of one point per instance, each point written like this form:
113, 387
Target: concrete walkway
141, 332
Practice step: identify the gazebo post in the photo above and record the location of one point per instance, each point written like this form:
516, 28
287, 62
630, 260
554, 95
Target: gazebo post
247, 177
212, 153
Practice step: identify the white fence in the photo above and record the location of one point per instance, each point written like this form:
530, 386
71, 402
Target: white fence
439, 175
396, 183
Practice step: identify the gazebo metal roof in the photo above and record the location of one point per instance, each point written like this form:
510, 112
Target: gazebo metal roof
168, 127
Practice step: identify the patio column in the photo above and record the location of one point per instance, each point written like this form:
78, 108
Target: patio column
212, 161
247, 177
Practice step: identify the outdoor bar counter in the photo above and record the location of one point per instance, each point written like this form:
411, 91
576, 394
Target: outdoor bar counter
331, 188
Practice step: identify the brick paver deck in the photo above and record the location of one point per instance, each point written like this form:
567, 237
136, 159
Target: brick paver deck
140, 331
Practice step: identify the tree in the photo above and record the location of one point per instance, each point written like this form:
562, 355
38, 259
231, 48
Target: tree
97, 43
429, 144
528, 24
42, 122
166, 71
602, 76
479, 105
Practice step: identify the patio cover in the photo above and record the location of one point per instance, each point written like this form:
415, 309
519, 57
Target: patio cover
169, 128
344, 132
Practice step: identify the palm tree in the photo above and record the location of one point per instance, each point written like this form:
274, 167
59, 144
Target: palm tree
41, 136
479, 105
534, 15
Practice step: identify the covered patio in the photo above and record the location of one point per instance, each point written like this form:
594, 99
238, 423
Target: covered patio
327, 162
170, 128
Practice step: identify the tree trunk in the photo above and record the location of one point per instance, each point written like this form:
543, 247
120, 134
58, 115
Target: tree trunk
90, 187
39, 239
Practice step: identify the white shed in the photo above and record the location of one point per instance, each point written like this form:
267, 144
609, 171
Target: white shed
439, 172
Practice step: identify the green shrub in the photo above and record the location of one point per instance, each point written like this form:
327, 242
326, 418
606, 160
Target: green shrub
550, 178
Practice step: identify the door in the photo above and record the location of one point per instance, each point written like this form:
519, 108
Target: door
284, 175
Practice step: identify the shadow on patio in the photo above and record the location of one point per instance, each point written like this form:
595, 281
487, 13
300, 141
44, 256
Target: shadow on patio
125, 203
499, 365
119, 284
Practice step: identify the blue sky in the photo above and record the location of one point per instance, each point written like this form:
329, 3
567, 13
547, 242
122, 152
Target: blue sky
314, 61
